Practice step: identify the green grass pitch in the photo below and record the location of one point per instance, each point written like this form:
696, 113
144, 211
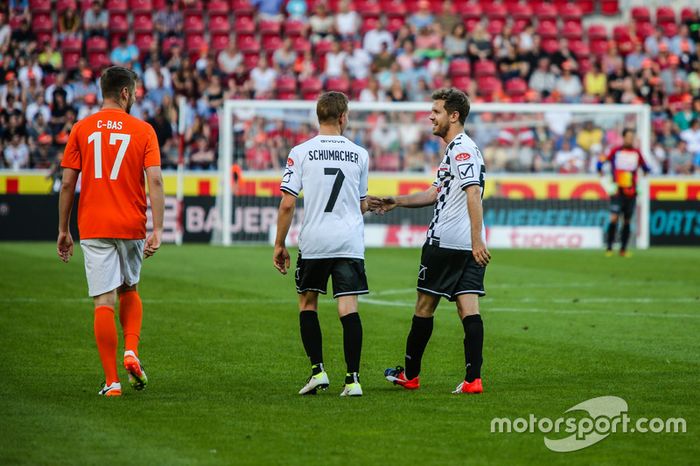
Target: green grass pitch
221, 346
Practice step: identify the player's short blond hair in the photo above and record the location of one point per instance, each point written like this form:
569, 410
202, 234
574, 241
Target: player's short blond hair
330, 106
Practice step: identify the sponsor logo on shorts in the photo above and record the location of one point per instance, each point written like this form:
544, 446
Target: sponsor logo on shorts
421, 272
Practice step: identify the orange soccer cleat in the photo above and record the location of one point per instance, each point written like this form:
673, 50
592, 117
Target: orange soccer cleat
473, 388
398, 377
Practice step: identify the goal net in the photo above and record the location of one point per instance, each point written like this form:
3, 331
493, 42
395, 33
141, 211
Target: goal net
541, 191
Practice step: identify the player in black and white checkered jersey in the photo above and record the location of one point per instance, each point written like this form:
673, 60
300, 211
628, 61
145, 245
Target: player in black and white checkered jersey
454, 257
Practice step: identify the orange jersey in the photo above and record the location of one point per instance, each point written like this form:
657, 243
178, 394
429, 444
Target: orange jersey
111, 149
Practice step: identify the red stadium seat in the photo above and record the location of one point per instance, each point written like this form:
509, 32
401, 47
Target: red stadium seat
644, 30
242, 7
370, 9
469, 10
579, 48
40, 6
521, 11
487, 86
597, 31
547, 30
640, 14
461, 82
218, 7
338, 84
460, 67
117, 6
570, 12
250, 60
98, 60
497, 11
670, 29
143, 23
270, 28
159, 4
471, 23
194, 6
301, 44
271, 43
194, 43
42, 23
394, 23
244, 25
665, 15
516, 87
609, 7
218, 23
572, 30
357, 86
219, 41
294, 28
141, 6
546, 11
63, 5
96, 44
286, 83
587, 6
170, 42
310, 88
44, 37
598, 47
322, 47
550, 45
72, 44
118, 23
686, 14
495, 27
194, 23
144, 42
248, 44
484, 68
368, 24
394, 8
71, 60
621, 32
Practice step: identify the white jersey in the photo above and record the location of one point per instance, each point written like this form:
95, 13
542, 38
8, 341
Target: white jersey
462, 166
332, 171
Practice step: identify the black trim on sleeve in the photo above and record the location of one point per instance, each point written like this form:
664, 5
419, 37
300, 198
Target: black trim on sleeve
289, 191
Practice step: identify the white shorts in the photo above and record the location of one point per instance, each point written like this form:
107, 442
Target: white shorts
110, 263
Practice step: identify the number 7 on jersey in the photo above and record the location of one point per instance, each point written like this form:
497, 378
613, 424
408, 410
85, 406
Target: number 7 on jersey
96, 139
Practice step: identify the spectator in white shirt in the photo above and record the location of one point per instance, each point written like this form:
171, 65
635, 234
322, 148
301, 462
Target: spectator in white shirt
357, 61
377, 37
38, 106
691, 136
335, 61
263, 78
569, 159
347, 22
150, 77
230, 58
569, 85
17, 154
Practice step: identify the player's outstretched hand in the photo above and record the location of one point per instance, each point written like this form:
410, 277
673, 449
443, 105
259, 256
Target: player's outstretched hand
64, 246
152, 243
280, 259
481, 254
381, 205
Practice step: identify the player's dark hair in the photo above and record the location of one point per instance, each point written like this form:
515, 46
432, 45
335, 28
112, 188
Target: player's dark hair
455, 101
330, 106
627, 130
116, 78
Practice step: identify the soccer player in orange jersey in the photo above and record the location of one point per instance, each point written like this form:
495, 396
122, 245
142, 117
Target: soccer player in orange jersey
112, 150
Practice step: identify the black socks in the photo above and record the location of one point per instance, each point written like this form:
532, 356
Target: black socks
418, 337
610, 237
311, 336
625, 237
352, 341
473, 345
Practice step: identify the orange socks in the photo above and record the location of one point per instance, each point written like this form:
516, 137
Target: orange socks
106, 337
130, 316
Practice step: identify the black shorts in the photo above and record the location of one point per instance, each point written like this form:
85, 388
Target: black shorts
623, 205
449, 273
349, 276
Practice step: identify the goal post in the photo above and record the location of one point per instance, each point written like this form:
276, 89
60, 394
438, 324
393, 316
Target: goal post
237, 136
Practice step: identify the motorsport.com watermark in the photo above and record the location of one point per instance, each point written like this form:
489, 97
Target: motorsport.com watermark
606, 415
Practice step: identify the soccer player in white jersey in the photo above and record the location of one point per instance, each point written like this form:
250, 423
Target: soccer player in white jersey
454, 256
332, 172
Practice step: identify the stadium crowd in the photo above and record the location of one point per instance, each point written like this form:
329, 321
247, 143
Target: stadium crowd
51, 53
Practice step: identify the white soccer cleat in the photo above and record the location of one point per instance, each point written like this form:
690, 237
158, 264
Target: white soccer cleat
352, 389
115, 389
315, 382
